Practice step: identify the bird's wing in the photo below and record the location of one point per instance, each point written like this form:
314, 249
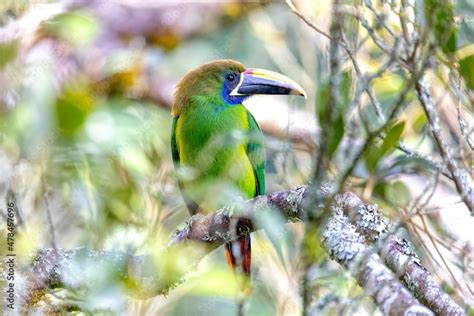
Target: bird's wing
192, 206
174, 146
256, 152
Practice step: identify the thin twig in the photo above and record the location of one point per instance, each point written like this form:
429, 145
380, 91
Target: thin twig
50, 220
459, 176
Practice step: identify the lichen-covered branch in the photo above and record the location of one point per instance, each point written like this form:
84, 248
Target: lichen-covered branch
348, 247
397, 254
406, 264
221, 226
355, 235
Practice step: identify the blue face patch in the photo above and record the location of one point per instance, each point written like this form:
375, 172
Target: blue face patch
231, 80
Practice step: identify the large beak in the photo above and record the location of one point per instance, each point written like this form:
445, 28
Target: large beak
261, 81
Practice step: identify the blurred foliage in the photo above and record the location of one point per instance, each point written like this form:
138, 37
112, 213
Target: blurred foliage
76, 27
440, 21
8, 50
466, 68
85, 92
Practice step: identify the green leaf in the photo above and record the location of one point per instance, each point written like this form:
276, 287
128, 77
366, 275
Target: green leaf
322, 99
392, 137
466, 68
387, 86
419, 123
337, 134
440, 22
372, 157
450, 46
72, 108
323, 94
374, 153
346, 88
333, 125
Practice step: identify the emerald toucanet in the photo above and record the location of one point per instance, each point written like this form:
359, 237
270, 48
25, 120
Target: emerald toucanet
217, 145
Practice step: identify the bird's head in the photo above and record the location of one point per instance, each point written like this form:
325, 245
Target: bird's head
228, 82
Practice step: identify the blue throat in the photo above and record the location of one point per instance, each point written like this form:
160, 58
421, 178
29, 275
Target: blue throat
231, 99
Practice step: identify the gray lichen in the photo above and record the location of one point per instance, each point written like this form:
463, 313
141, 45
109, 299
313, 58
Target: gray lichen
207, 237
370, 222
294, 199
327, 189
341, 239
223, 235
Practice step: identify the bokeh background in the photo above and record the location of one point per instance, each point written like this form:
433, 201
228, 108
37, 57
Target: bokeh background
85, 94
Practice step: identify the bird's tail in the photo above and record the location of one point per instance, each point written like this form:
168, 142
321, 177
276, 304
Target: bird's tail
239, 254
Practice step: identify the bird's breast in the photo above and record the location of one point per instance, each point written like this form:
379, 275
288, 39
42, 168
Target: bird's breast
212, 147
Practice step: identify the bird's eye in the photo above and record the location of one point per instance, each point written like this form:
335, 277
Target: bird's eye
230, 77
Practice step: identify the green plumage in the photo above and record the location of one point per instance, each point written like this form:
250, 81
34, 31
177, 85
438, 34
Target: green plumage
220, 147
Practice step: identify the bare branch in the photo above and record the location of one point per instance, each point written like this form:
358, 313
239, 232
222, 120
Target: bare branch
460, 176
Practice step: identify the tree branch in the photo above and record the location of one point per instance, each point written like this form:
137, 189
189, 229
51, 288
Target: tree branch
347, 246
459, 176
397, 254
